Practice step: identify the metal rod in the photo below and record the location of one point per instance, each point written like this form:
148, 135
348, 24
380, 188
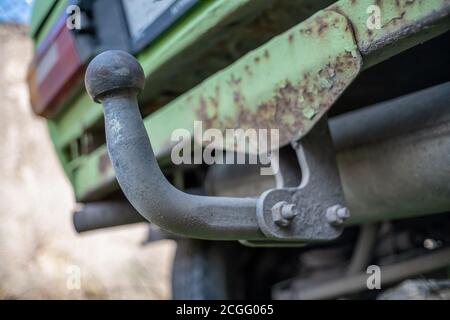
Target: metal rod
390, 274
105, 214
363, 249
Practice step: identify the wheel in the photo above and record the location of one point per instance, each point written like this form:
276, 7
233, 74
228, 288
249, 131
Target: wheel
203, 270
227, 270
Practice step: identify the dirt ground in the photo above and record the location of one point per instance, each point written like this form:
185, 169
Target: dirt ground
41, 256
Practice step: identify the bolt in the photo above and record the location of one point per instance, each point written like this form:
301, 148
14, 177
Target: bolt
337, 214
283, 213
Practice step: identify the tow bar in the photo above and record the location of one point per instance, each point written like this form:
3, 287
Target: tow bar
314, 211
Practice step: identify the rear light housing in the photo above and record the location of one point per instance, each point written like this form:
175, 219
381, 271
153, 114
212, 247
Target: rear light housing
56, 70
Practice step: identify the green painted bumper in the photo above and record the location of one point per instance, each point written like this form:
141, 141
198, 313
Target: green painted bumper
288, 83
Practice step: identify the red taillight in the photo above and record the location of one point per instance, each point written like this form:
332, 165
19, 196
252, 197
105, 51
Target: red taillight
55, 72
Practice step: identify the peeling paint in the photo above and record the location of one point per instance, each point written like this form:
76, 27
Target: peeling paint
301, 81
104, 164
400, 18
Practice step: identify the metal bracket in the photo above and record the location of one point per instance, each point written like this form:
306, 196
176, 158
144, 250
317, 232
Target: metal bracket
313, 211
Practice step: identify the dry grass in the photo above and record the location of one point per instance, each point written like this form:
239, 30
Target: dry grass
38, 247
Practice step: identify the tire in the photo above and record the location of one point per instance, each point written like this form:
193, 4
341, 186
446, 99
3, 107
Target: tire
202, 270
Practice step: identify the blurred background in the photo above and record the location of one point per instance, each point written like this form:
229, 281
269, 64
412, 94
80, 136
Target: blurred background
41, 256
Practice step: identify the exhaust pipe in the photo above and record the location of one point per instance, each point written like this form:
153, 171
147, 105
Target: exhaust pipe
106, 214
394, 157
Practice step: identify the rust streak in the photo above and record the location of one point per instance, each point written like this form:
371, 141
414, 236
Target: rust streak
285, 110
104, 164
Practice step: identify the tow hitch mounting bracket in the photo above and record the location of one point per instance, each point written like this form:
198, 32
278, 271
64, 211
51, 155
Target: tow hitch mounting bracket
318, 202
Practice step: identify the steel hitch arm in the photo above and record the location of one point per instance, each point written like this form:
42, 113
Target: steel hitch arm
115, 78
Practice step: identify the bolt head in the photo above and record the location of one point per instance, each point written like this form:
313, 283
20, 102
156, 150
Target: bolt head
337, 214
283, 213
343, 213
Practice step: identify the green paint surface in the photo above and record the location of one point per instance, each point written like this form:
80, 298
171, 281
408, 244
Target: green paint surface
288, 59
40, 11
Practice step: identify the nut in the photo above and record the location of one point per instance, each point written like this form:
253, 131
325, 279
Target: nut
337, 214
283, 213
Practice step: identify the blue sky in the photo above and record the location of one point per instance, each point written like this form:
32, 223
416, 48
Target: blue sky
17, 11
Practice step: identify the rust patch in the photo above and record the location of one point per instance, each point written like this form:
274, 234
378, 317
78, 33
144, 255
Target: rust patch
306, 30
301, 88
104, 164
292, 104
235, 81
248, 70
321, 24
291, 38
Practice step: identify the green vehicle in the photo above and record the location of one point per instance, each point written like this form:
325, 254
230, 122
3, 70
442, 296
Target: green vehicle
293, 149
